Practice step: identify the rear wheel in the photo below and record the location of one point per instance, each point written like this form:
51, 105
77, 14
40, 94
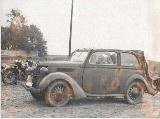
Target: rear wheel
135, 93
9, 77
58, 94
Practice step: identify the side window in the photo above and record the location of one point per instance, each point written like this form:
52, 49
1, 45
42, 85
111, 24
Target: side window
103, 58
129, 60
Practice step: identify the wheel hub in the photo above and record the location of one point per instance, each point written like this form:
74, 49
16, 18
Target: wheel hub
135, 91
58, 93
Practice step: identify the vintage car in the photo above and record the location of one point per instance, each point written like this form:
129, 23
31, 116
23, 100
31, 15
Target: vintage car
92, 73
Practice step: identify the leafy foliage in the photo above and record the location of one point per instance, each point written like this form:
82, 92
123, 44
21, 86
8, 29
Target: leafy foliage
19, 36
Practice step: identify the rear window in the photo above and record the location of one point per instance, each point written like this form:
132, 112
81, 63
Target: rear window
129, 60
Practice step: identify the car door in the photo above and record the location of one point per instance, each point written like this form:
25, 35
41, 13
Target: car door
100, 73
129, 66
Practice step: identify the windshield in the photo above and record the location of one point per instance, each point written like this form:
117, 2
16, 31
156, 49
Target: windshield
79, 56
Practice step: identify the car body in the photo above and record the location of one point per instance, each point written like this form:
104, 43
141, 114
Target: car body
93, 72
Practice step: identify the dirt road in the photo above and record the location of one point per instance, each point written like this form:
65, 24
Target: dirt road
17, 102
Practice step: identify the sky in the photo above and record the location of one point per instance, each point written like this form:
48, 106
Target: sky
109, 24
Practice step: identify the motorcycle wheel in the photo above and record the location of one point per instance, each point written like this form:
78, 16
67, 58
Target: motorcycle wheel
9, 77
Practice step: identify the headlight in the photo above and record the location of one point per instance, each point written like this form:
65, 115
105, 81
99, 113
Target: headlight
43, 71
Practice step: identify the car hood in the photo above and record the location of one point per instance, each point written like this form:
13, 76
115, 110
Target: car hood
61, 64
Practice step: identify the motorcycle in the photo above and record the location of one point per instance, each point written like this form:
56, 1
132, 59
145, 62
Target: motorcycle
15, 72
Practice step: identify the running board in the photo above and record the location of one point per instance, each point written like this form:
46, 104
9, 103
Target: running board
104, 95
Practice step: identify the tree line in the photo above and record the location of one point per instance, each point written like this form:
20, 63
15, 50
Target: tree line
17, 35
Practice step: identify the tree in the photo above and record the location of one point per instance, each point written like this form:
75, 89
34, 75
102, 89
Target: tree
5, 38
20, 36
37, 40
16, 20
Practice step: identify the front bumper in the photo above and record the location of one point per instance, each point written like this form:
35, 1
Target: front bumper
31, 89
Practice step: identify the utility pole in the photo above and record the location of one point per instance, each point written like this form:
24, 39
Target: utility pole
70, 36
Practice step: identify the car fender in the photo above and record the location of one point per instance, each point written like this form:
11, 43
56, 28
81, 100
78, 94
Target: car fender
135, 77
78, 91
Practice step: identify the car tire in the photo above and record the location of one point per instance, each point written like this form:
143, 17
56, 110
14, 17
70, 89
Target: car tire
135, 93
58, 94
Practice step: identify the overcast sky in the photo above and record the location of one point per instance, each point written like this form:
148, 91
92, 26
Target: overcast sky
116, 24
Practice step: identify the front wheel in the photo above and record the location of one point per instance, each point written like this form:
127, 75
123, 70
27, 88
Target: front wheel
135, 93
58, 94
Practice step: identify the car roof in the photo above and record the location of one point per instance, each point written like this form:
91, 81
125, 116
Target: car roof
117, 50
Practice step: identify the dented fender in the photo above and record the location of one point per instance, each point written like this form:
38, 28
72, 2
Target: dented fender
47, 80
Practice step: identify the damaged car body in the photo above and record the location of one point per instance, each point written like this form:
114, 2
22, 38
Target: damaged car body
92, 73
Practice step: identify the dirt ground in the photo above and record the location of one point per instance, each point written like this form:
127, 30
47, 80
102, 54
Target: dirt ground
17, 102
